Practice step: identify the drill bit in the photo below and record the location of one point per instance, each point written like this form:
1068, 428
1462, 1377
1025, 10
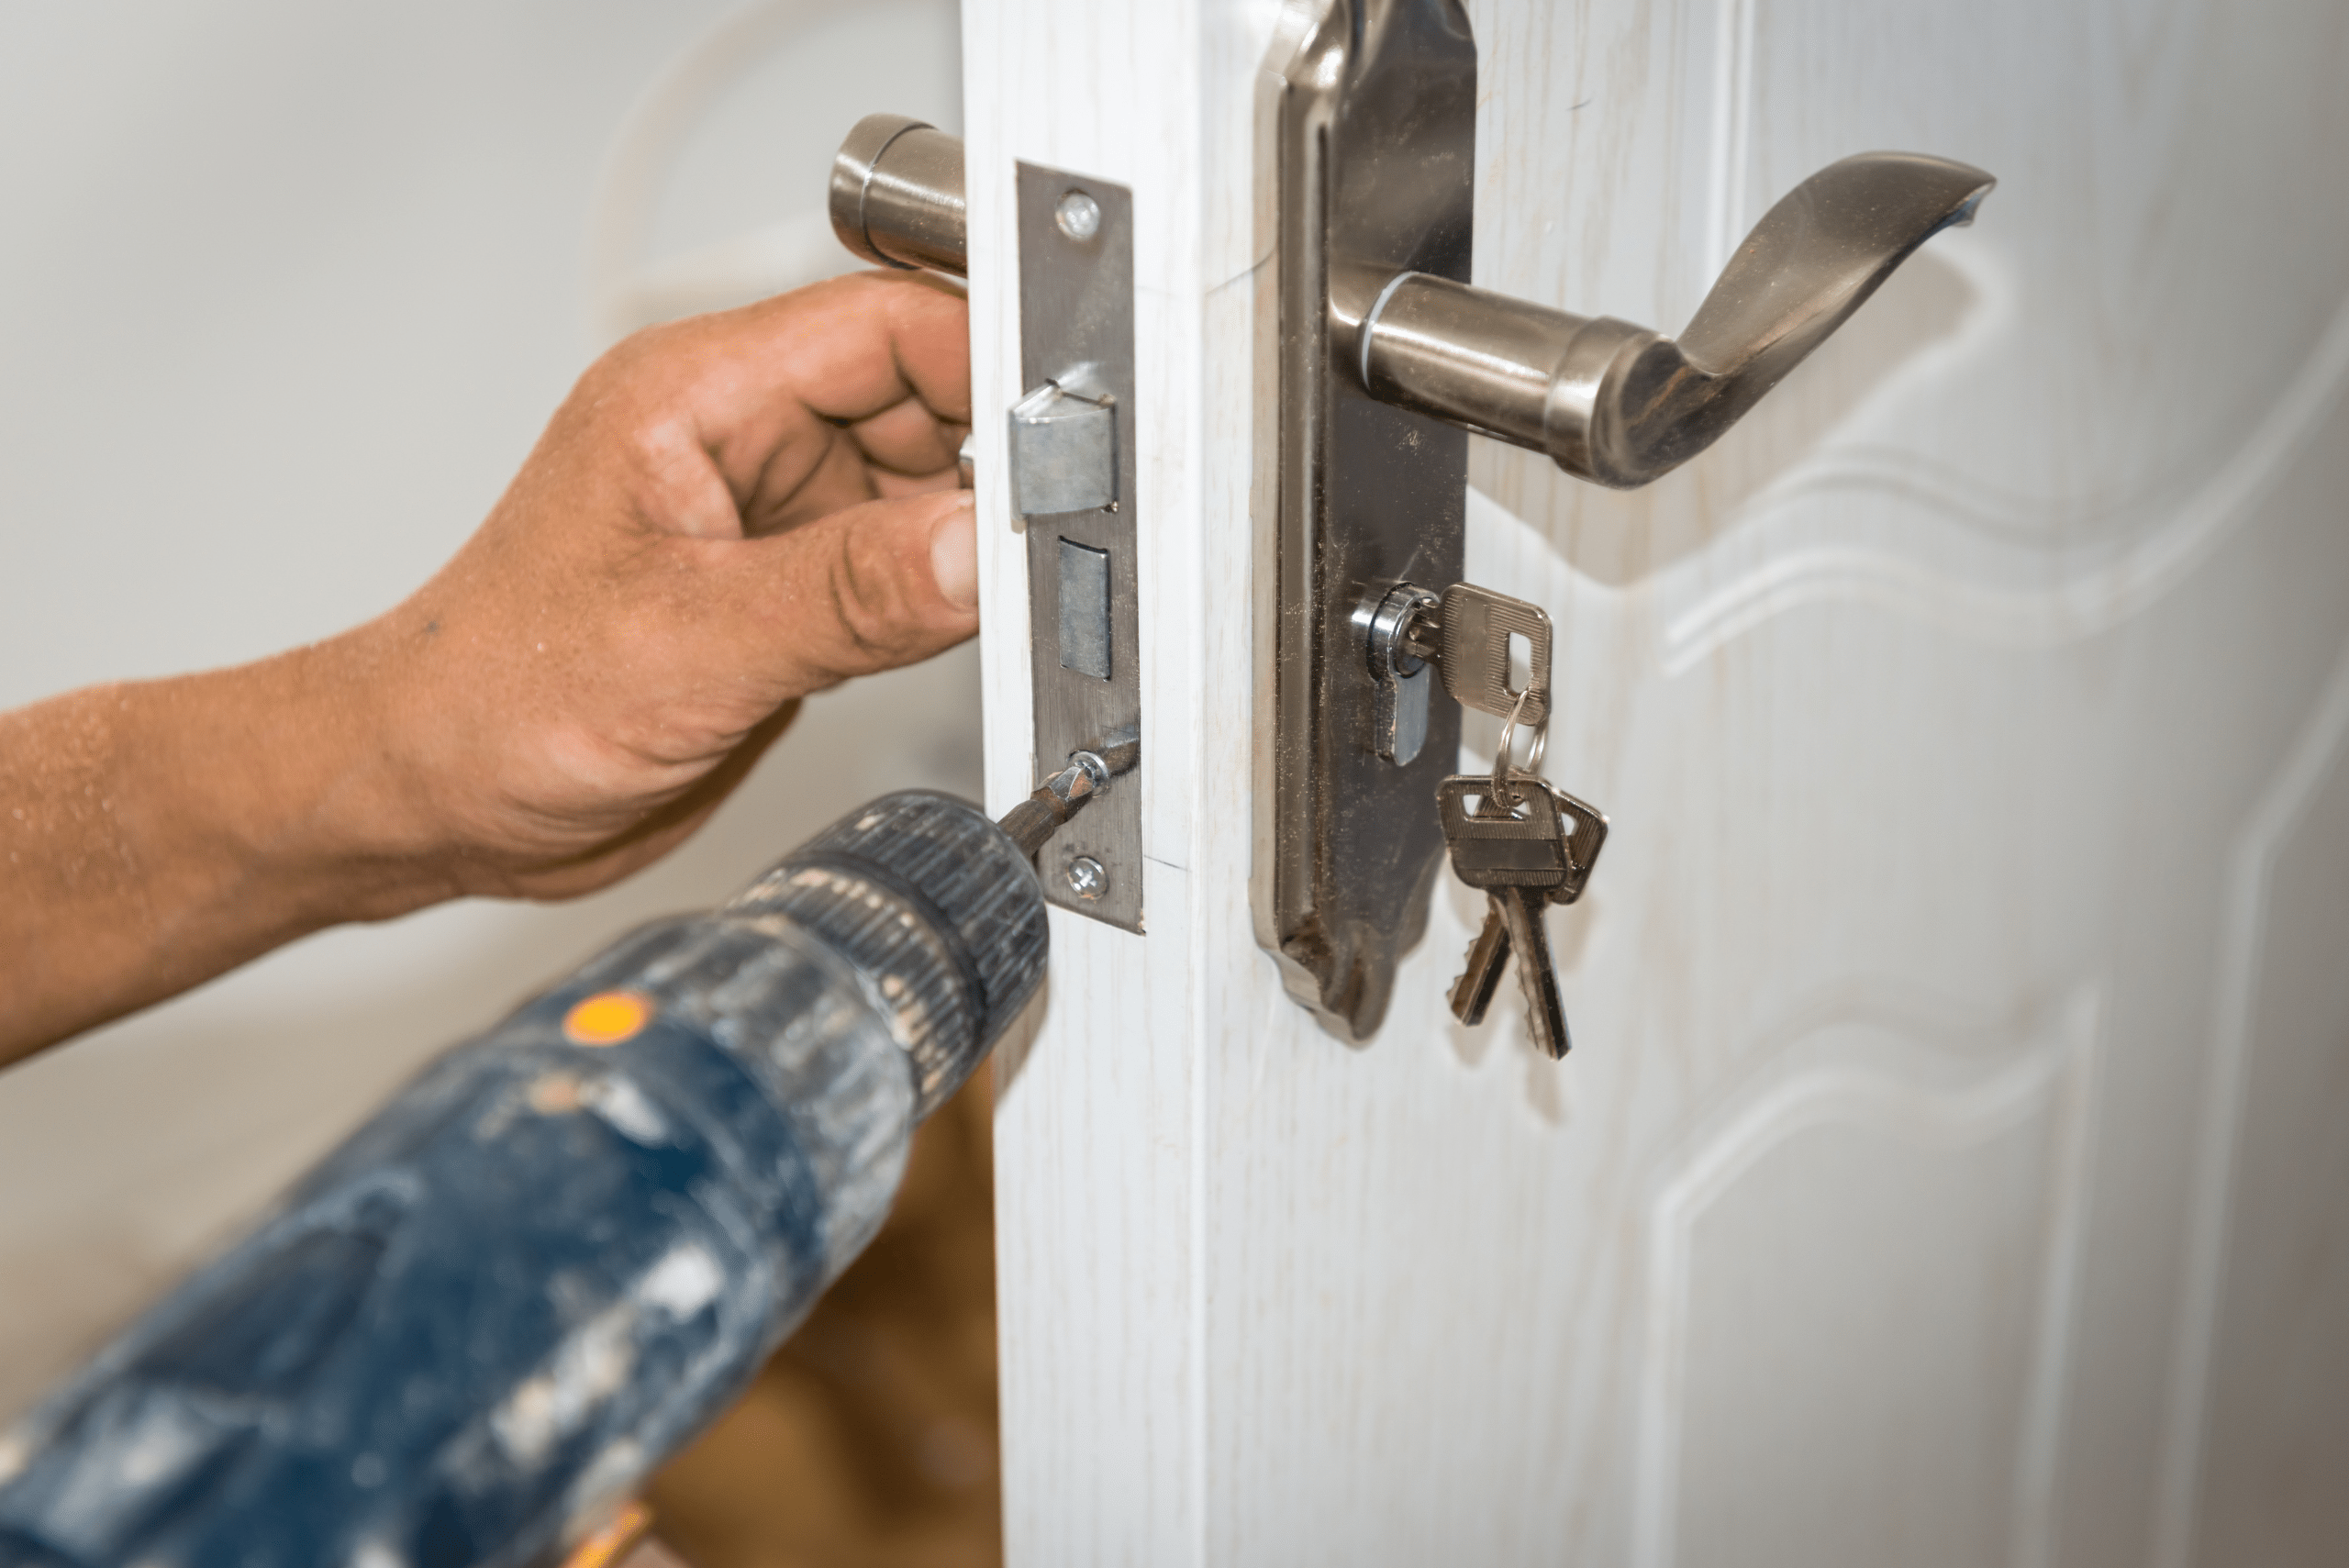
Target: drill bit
1063, 795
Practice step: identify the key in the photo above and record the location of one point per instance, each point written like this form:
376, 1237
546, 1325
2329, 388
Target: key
1464, 634
1518, 853
1508, 911
1475, 628
1529, 942
1586, 828
1535, 851
1487, 956
1524, 843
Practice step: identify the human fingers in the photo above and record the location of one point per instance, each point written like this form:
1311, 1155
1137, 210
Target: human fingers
843, 477
877, 364
871, 587
564, 698
908, 437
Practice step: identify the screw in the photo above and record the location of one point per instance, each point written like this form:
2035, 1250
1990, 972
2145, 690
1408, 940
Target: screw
1078, 215
1087, 877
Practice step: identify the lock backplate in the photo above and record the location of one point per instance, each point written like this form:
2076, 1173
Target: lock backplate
1373, 117
1072, 445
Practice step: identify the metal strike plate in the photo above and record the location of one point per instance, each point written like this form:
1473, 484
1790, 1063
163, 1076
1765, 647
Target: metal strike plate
1073, 480
1375, 115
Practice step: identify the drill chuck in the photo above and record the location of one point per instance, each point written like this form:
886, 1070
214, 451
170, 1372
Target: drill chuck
566, 1246
938, 907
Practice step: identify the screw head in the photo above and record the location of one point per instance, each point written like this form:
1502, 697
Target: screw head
1087, 877
1078, 215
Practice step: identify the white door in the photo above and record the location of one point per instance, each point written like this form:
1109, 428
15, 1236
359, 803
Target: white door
1949, 1169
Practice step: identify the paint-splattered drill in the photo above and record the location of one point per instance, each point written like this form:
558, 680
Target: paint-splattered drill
555, 1257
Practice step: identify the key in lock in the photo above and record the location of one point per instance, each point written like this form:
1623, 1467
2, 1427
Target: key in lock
1461, 635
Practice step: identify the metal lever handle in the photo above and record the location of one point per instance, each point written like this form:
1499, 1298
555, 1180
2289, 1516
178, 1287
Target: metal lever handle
1621, 404
897, 195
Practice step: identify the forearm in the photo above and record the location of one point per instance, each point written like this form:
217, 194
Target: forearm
727, 513
159, 833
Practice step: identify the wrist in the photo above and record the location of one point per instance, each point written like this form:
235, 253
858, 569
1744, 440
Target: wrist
278, 782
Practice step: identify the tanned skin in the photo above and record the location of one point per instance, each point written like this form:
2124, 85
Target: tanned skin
726, 514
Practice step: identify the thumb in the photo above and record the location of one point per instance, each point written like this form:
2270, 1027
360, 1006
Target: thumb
866, 588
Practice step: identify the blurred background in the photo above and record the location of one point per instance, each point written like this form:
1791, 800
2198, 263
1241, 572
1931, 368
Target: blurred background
286, 292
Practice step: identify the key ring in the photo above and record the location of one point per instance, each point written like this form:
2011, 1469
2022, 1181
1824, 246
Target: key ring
1502, 791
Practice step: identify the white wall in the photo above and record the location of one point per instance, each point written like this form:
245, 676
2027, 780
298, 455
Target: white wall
286, 293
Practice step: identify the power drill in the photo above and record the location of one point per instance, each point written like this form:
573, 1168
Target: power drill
470, 1333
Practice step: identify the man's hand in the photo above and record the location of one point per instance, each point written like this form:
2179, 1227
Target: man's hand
727, 513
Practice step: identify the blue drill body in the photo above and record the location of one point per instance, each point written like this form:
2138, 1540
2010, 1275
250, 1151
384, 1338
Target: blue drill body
552, 1259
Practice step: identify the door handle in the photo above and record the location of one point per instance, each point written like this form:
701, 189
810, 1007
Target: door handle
1610, 402
1386, 354
1620, 405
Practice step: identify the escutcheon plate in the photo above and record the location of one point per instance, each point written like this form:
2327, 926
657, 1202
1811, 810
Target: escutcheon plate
1374, 120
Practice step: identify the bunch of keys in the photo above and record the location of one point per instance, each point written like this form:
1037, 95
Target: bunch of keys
1520, 839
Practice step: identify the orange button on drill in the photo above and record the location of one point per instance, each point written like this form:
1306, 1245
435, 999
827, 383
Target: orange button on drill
607, 1018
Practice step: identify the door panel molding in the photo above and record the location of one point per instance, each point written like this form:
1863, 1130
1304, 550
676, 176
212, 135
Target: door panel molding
2123, 307
1893, 560
2250, 872
1929, 1099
